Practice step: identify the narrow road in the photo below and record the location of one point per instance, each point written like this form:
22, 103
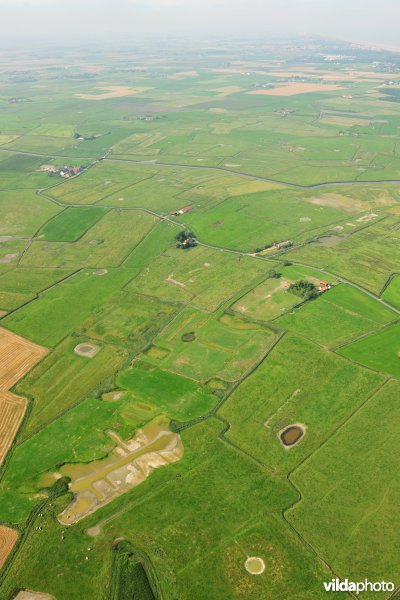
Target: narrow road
324, 184
299, 264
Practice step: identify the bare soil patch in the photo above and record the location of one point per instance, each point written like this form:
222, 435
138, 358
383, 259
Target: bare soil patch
101, 272
111, 91
114, 396
86, 349
157, 352
367, 218
183, 75
94, 531
28, 595
255, 565
8, 539
291, 89
350, 205
175, 282
7, 258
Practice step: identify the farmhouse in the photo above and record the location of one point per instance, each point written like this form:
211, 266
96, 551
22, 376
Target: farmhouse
281, 245
324, 286
67, 172
182, 211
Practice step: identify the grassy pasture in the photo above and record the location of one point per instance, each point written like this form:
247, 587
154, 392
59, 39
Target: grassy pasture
321, 395
128, 319
368, 256
20, 285
356, 532
380, 351
97, 183
243, 518
58, 311
271, 298
224, 345
392, 292
20, 172
201, 276
77, 435
199, 519
23, 212
340, 314
179, 397
71, 224
63, 379
250, 221
106, 244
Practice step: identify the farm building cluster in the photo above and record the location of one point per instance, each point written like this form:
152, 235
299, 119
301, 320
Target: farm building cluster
66, 172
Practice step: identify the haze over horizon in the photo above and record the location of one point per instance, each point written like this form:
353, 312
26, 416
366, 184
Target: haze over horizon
360, 21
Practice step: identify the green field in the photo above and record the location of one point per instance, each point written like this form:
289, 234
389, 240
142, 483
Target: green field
340, 314
392, 292
297, 383
379, 351
71, 224
212, 186
339, 474
224, 346
179, 397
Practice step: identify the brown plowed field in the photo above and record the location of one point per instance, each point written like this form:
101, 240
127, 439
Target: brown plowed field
8, 537
17, 357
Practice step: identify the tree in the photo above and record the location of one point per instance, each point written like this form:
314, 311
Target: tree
304, 289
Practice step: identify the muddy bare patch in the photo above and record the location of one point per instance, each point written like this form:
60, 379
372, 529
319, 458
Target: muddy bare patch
330, 241
7, 258
189, 337
87, 350
292, 434
114, 395
97, 483
100, 272
94, 531
255, 565
29, 595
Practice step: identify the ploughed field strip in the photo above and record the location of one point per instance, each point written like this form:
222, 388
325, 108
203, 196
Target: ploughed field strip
8, 539
17, 357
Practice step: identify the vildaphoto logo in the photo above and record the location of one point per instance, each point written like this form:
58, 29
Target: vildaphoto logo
336, 585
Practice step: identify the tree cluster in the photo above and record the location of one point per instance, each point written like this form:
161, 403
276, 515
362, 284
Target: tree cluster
185, 240
304, 289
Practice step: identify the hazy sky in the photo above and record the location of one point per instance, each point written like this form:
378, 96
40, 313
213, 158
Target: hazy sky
373, 21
